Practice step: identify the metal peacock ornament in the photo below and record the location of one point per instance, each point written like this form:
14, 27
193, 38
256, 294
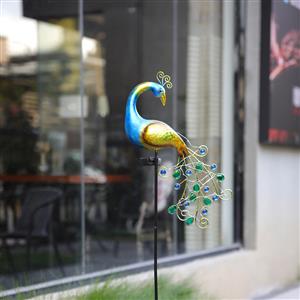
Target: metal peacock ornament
199, 181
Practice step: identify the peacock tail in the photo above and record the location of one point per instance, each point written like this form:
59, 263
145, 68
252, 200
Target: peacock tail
201, 186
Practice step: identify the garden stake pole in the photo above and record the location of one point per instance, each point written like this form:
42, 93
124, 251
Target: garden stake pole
154, 161
155, 223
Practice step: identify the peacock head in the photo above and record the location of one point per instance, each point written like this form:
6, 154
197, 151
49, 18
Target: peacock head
158, 88
159, 91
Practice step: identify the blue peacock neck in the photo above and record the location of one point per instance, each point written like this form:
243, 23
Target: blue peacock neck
133, 97
133, 121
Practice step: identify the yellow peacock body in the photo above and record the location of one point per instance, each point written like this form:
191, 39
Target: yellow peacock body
199, 182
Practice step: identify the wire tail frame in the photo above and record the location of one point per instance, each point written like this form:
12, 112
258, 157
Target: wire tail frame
200, 184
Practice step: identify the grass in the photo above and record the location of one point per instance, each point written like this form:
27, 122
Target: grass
167, 290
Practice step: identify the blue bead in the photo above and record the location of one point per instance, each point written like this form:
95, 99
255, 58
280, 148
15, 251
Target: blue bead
177, 186
188, 172
186, 203
204, 211
215, 197
206, 189
213, 167
202, 151
163, 172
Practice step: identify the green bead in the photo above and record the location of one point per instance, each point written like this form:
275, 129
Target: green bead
196, 187
176, 174
220, 176
193, 197
189, 221
172, 209
206, 201
199, 167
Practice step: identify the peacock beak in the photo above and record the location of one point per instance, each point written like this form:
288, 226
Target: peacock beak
163, 99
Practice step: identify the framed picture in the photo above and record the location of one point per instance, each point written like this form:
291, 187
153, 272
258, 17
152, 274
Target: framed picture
280, 73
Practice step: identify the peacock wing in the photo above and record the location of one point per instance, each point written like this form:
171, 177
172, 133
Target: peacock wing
158, 135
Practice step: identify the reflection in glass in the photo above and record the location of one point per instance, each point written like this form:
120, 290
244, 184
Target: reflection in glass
39, 153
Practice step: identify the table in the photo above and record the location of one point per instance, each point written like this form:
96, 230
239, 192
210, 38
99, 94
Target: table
65, 179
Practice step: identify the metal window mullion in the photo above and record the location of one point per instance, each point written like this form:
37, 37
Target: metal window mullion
82, 139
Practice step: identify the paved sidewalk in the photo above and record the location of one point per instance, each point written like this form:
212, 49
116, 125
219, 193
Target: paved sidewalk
290, 294
293, 293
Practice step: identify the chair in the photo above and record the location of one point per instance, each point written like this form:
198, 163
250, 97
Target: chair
35, 224
144, 230
144, 226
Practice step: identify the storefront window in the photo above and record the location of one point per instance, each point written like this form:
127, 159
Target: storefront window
79, 199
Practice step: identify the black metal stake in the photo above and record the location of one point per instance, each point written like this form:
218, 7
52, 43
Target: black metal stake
155, 223
150, 161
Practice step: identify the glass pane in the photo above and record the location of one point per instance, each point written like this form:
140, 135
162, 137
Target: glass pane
109, 36
125, 44
39, 137
203, 113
